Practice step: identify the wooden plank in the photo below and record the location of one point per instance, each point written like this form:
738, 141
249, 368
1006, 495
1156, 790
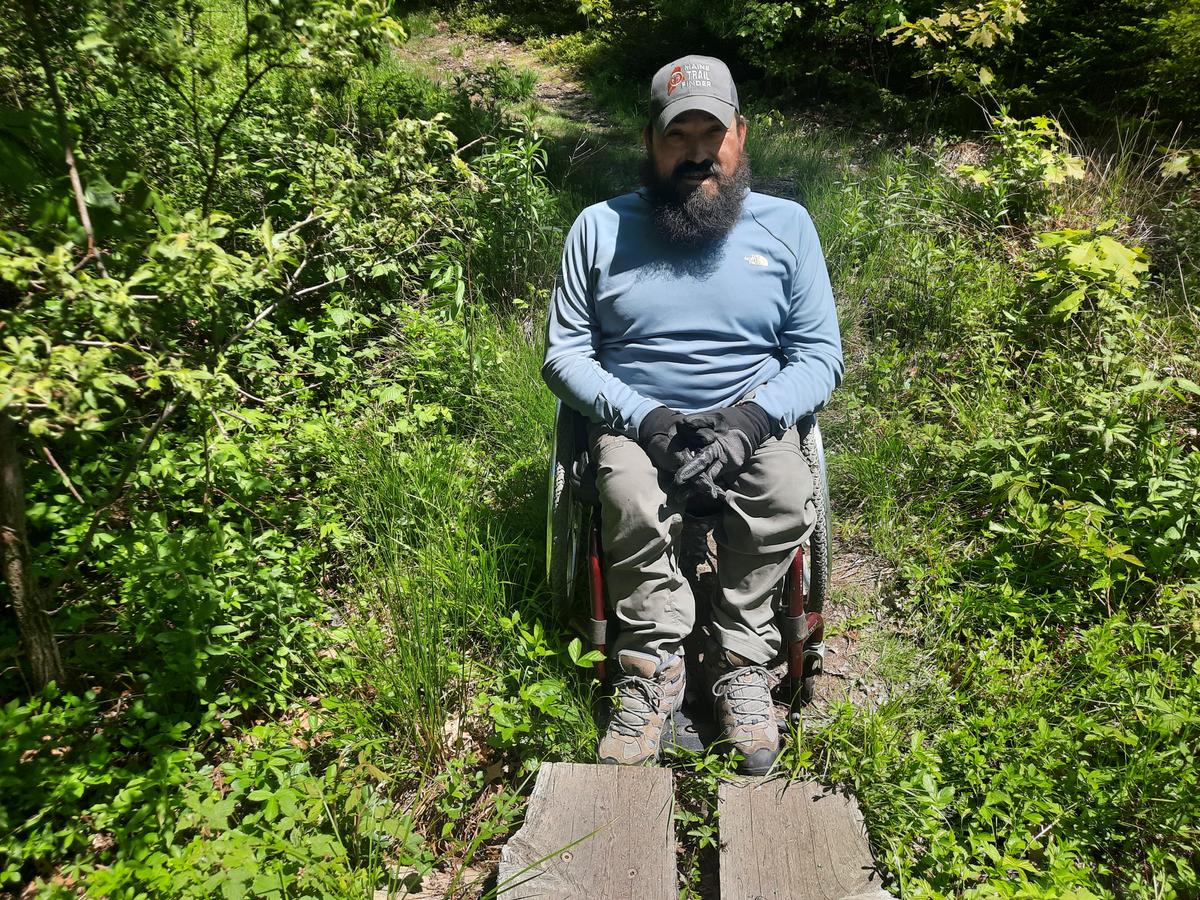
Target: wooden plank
795, 840
604, 832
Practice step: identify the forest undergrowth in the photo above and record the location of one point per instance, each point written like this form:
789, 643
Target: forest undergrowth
279, 417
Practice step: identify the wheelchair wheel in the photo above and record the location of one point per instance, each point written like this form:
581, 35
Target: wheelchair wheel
564, 515
820, 555
821, 542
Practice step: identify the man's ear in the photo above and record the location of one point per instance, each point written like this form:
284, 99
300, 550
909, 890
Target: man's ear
646, 137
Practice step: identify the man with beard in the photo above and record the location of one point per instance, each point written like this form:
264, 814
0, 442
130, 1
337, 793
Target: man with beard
693, 324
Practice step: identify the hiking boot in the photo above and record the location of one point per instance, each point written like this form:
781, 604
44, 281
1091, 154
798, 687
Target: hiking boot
648, 690
746, 712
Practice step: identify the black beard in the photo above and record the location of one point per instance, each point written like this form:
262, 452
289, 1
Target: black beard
696, 220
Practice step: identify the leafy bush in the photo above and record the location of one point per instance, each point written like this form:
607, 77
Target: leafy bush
288, 248
1030, 159
1026, 464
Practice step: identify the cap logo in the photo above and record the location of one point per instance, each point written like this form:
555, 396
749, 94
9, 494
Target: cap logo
677, 79
692, 84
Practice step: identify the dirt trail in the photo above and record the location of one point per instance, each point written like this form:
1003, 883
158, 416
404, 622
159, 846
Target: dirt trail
446, 54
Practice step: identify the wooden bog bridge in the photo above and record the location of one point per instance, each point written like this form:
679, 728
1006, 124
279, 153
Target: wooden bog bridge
607, 832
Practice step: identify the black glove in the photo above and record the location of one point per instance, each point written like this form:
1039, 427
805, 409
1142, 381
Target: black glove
731, 436
701, 488
658, 436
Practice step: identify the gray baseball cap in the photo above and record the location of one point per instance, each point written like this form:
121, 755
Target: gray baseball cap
692, 82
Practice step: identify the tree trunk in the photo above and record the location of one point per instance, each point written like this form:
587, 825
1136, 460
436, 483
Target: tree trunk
36, 634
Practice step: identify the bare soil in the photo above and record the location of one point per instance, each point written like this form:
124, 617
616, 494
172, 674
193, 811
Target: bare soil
444, 54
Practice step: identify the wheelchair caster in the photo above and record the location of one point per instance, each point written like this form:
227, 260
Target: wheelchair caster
808, 689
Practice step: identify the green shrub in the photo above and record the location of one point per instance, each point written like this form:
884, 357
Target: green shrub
1030, 159
282, 262
1016, 439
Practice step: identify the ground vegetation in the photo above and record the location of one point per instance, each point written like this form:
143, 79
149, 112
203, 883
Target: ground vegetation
273, 440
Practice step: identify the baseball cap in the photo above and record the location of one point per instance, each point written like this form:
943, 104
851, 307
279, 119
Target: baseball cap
692, 82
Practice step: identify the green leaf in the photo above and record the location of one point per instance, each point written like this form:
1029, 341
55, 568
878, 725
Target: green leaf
1175, 165
392, 393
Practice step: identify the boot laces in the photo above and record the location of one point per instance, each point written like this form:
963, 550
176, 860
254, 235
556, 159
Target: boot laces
746, 690
637, 700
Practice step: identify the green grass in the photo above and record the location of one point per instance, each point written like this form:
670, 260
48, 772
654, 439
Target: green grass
419, 23
450, 540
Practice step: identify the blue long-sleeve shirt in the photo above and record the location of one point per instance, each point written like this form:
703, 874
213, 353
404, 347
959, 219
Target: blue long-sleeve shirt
636, 322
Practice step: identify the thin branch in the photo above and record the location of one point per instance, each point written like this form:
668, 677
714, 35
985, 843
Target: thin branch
270, 308
63, 475
244, 507
291, 279
218, 136
248, 395
220, 425
469, 144
114, 495
239, 417
317, 287
293, 228
64, 135
188, 102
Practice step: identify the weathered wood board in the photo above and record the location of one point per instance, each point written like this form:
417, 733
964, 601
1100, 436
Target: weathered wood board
603, 832
793, 839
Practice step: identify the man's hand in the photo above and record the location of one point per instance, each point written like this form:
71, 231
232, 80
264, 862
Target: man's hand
729, 437
659, 436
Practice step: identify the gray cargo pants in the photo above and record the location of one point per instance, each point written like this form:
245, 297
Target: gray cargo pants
768, 512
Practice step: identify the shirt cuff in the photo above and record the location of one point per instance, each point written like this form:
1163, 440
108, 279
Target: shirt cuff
633, 422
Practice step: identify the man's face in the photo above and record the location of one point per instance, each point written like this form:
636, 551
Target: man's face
684, 154
696, 175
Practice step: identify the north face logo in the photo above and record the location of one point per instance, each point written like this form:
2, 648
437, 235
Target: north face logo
677, 79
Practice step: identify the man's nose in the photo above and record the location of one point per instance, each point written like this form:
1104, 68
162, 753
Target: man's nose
697, 152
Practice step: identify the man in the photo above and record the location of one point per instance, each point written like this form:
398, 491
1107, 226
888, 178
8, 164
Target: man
693, 324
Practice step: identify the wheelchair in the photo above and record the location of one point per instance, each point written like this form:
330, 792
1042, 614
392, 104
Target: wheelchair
573, 543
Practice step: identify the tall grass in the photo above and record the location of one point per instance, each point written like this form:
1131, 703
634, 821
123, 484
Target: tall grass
450, 535
426, 587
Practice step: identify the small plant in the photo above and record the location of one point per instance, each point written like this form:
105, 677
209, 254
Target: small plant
535, 713
697, 829
488, 94
1086, 268
1031, 157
